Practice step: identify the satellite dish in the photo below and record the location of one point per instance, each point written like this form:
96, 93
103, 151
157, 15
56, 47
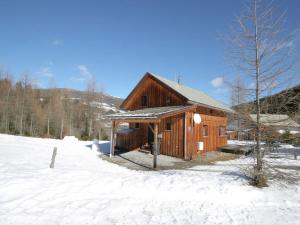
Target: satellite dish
197, 118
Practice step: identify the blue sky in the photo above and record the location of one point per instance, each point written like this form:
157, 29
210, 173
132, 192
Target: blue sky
60, 43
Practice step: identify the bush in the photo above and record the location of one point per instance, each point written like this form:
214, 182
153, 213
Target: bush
104, 137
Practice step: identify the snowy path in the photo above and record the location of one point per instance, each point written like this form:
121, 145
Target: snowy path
83, 189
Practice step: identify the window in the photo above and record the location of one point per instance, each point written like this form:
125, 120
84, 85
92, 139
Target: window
168, 125
222, 131
168, 100
205, 130
144, 101
136, 125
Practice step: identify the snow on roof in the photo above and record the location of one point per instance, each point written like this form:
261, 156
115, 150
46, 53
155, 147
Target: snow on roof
193, 95
148, 112
280, 120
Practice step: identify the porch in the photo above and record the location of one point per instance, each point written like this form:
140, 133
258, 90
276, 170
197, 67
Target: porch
161, 128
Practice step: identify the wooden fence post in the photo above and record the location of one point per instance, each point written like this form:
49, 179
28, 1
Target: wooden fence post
53, 157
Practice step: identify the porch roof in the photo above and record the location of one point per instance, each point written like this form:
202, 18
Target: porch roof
151, 113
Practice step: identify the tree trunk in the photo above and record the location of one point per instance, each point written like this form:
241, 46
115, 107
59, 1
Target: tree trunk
90, 127
48, 126
61, 128
259, 177
31, 125
7, 113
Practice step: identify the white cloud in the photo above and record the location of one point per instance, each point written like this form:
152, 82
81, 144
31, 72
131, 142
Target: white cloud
217, 82
46, 72
84, 71
57, 42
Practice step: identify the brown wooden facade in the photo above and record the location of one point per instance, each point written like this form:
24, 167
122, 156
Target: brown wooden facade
178, 134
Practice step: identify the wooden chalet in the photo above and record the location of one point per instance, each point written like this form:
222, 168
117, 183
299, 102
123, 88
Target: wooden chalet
181, 120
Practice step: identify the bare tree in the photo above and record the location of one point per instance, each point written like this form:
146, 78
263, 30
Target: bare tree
5, 94
238, 98
262, 52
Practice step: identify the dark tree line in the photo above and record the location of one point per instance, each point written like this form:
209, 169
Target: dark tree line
26, 110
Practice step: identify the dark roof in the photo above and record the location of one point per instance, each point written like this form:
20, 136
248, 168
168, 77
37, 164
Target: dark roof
149, 113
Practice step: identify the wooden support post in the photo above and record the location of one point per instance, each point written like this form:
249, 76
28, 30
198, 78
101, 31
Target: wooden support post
112, 139
155, 145
151, 128
53, 157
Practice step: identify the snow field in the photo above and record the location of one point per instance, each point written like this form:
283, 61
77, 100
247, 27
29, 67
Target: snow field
84, 189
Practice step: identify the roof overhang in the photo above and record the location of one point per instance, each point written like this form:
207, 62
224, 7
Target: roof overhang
148, 115
231, 111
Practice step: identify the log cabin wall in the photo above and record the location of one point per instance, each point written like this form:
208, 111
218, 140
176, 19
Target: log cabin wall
157, 94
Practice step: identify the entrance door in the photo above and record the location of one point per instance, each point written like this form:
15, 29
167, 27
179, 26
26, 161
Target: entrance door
150, 135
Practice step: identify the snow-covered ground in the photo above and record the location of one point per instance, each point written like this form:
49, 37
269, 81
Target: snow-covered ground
84, 189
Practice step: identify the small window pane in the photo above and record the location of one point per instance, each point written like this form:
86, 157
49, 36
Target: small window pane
222, 131
144, 100
168, 100
205, 130
168, 125
137, 125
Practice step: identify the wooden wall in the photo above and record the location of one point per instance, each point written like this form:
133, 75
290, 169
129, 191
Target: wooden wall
172, 143
133, 140
213, 119
157, 96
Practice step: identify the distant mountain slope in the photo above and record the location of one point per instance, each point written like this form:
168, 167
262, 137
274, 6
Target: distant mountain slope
109, 103
284, 102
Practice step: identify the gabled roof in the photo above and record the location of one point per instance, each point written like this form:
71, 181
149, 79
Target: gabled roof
276, 120
150, 113
192, 96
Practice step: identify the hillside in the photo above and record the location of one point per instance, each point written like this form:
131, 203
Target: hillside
110, 103
103, 102
284, 102
26, 110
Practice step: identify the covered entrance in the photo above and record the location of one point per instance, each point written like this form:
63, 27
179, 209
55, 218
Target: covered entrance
159, 127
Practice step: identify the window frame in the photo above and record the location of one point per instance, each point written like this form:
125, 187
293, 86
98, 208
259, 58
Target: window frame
144, 99
168, 122
168, 100
224, 130
205, 128
136, 125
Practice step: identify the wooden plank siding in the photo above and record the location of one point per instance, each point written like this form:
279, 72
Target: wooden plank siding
173, 141
133, 140
157, 96
213, 120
